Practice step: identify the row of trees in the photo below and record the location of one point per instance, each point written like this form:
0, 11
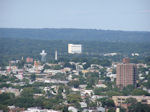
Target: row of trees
129, 90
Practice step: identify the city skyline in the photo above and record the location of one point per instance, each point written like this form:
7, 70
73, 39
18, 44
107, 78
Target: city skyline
74, 56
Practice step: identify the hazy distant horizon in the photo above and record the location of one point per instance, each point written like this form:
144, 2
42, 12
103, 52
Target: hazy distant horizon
128, 15
80, 29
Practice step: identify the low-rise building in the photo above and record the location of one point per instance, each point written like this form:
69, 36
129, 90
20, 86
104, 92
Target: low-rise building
35, 109
121, 100
10, 90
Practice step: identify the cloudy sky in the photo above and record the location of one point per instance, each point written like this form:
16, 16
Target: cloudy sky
132, 15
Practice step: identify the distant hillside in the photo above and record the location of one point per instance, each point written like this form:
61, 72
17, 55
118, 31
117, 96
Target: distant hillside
76, 34
11, 49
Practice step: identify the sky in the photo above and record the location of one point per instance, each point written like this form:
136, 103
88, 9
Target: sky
129, 15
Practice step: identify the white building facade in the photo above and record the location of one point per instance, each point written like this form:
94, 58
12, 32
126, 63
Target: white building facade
74, 48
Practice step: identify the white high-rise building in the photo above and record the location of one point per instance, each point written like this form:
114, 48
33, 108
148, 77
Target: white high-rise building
74, 48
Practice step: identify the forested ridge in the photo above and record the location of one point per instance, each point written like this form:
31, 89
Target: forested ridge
13, 48
16, 42
76, 34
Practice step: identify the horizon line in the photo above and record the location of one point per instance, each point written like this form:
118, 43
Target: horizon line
73, 28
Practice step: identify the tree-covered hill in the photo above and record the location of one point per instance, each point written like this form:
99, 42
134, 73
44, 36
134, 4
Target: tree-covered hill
14, 48
76, 34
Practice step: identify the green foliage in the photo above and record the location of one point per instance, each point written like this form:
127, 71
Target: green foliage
76, 34
47, 66
38, 102
53, 67
82, 80
147, 60
52, 102
73, 98
131, 101
102, 62
87, 65
59, 76
74, 83
56, 67
4, 78
37, 84
61, 89
16, 48
92, 79
134, 60
103, 71
138, 107
6, 98
92, 104
65, 109
4, 108
67, 64
147, 85
139, 92
105, 63
127, 90
24, 101
27, 92
111, 110
114, 71
5, 85
107, 102
99, 91
113, 93
122, 109
33, 77
20, 64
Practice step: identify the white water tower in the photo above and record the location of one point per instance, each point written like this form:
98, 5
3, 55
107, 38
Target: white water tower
43, 56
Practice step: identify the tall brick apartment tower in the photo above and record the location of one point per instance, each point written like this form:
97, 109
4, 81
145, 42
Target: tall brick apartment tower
126, 73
